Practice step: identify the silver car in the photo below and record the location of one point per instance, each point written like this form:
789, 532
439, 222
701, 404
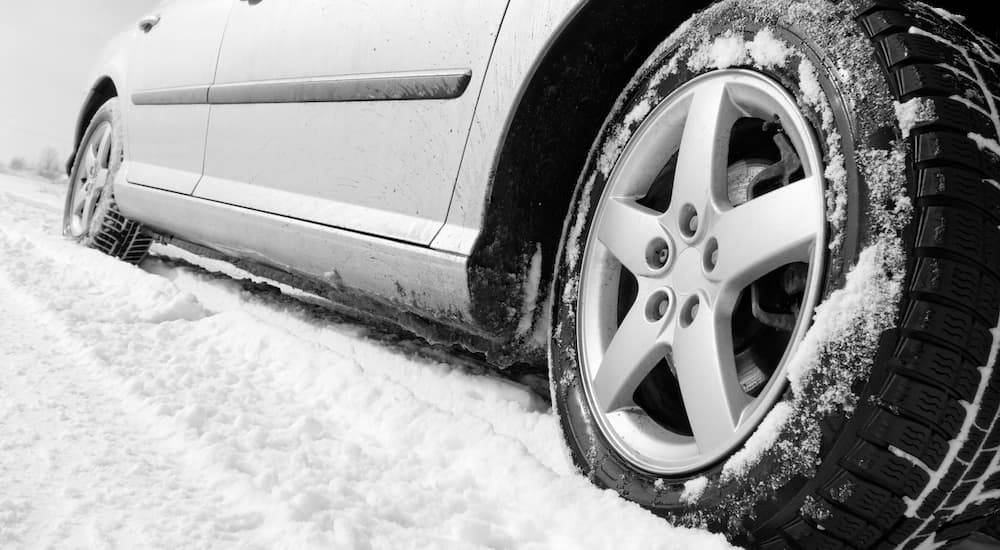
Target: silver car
752, 243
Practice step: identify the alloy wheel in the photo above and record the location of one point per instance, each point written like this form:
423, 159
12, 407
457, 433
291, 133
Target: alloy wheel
701, 271
90, 180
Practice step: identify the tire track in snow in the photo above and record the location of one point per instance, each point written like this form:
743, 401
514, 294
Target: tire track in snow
322, 437
65, 485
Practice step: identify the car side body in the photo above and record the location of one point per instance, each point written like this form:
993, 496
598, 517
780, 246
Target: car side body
412, 159
752, 243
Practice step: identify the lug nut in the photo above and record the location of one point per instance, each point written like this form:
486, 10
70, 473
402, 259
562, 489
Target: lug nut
657, 254
711, 257
690, 312
688, 221
663, 307
658, 306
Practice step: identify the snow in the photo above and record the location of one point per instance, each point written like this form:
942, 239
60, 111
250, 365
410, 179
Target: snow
835, 172
948, 15
731, 50
767, 50
985, 143
693, 489
861, 300
638, 113
174, 405
763, 438
915, 111
532, 286
970, 104
812, 92
930, 543
728, 50
916, 462
816, 510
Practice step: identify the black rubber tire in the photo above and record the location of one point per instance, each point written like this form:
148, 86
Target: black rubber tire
111, 232
917, 421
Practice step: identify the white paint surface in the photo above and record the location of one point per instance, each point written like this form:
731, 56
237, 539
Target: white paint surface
167, 142
396, 159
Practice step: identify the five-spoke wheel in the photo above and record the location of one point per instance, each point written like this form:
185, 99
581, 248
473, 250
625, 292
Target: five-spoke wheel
714, 206
90, 181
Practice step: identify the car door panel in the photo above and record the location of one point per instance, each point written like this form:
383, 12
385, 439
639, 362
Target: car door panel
171, 71
352, 114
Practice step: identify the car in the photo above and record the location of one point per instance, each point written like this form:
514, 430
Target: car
752, 244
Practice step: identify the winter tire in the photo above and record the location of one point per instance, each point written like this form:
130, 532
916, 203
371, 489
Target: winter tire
90, 215
775, 310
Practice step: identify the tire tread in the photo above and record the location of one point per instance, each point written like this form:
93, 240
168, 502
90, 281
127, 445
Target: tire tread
951, 303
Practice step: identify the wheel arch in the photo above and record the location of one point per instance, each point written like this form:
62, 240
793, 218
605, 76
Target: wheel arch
574, 86
102, 90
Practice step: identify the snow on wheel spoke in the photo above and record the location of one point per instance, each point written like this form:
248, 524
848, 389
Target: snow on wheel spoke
627, 230
768, 232
702, 356
634, 350
704, 147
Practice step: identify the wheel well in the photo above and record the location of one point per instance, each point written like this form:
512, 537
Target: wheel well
100, 93
560, 114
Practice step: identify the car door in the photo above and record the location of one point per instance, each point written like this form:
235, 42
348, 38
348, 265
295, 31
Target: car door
349, 113
170, 71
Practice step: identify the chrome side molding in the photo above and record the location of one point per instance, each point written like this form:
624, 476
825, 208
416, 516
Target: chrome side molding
401, 86
191, 95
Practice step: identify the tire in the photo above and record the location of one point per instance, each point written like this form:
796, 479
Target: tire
869, 406
90, 215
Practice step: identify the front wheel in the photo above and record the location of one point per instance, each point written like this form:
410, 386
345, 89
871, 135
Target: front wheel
779, 283
90, 215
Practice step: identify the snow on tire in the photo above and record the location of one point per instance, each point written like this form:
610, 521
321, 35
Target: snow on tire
875, 424
90, 215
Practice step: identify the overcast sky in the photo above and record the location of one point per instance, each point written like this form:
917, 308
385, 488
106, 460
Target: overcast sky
47, 49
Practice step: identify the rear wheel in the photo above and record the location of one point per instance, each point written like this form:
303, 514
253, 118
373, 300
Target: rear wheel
90, 215
775, 307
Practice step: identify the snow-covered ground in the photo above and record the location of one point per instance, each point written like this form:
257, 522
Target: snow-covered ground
184, 405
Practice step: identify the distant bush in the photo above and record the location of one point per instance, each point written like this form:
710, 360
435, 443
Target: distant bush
49, 167
18, 164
